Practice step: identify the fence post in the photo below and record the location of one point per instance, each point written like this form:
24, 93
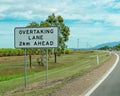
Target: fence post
97, 59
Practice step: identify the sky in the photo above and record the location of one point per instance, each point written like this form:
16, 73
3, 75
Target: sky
91, 22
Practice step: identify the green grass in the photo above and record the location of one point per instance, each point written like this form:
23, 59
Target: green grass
69, 66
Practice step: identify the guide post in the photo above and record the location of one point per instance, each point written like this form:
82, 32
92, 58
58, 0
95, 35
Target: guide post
25, 72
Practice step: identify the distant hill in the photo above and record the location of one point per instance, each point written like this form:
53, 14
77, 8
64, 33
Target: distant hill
110, 44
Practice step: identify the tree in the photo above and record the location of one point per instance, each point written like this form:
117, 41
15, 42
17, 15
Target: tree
36, 25
117, 47
64, 30
44, 24
105, 48
31, 25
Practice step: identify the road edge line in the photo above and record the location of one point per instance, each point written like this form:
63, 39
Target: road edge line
103, 77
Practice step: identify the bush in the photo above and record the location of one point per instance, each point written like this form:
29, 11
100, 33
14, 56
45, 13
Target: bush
68, 51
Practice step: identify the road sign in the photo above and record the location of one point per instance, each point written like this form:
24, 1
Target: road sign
44, 37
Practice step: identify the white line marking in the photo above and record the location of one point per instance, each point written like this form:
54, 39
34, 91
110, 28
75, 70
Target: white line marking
104, 77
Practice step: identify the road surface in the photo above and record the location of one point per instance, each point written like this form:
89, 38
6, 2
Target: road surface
111, 85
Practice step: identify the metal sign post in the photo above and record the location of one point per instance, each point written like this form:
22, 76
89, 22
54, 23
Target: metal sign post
25, 73
47, 67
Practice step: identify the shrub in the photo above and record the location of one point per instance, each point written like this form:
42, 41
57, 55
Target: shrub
68, 51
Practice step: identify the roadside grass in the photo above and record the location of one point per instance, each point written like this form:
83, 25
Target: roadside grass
68, 67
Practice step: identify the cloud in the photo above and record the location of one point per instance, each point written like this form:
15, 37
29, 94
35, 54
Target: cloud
91, 19
113, 19
117, 5
69, 9
96, 10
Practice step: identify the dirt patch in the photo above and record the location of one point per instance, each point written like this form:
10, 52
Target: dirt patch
79, 85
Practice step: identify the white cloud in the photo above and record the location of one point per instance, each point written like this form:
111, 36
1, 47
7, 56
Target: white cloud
7, 1
84, 10
69, 9
116, 5
3, 8
114, 19
94, 17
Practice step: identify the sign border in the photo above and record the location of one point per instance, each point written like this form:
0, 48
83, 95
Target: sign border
37, 46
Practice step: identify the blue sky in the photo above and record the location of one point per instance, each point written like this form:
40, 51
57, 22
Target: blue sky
91, 21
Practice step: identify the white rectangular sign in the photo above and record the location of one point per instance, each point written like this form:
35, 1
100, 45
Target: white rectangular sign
45, 37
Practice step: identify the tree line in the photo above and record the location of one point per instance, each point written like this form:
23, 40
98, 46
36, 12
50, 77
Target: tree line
116, 48
11, 52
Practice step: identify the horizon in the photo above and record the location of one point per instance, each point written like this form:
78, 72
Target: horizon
92, 23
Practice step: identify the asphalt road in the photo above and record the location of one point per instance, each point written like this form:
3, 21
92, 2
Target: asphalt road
111, 85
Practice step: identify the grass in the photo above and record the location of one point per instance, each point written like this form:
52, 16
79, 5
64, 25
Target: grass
68, 67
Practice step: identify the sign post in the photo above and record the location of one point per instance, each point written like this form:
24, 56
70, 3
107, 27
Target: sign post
25, 72
47, 67
44, 37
